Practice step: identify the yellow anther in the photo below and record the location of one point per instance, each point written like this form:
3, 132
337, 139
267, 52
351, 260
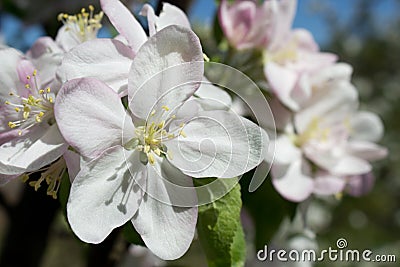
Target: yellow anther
11, 125
182, 133
157, 151
91, 8
24, 178
146, 149
28, 77
41, 91
27, 86
48, 90
51, 99
34, 73
7, 102
165, 108
17, 109
151, 158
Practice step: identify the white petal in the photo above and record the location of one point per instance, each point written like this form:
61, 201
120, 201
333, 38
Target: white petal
66, 38
172, 15
328, 104
285, 151
291, 181
366, 126
218, 144
212, 97
125, 23
91, 116
105, 194
282, 81
166, 230
31, 151
105, 59
167, 70
349, 165
366, 150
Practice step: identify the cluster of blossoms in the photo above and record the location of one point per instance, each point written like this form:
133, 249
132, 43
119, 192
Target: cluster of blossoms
324, 144
62, 107
132, 119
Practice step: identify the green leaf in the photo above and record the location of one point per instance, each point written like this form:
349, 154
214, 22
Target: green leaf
220, 229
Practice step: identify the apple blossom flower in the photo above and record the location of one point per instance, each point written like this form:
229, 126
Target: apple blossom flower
290, 64
139, 156
30, 139
248, 25
326, 144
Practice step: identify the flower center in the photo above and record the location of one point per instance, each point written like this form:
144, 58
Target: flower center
35, 107
314, 131
150, 138
84, 25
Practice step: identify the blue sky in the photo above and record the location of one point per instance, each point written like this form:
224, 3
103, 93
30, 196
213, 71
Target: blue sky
204, 10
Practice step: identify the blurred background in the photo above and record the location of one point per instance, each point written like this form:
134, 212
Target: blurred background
364, 33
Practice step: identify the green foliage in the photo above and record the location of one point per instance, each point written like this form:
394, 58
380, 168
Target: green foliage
220, 229
267, 208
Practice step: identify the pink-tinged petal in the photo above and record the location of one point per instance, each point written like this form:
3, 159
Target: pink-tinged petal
148, 12
291, 181
366, 150
366, 126
125, 23
331, 105
282, 81
360, 185
285, 151
305, 40
46, 56
326, 184
25, 68
237, 22
73, 161
172, 15
167, 230
218, 144
105, 59
7, 135
166, 71
91, 116
32, 151
105, 194
9, 80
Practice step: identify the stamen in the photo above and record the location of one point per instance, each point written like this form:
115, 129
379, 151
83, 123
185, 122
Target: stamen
34, 108
51, 175
84, 25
